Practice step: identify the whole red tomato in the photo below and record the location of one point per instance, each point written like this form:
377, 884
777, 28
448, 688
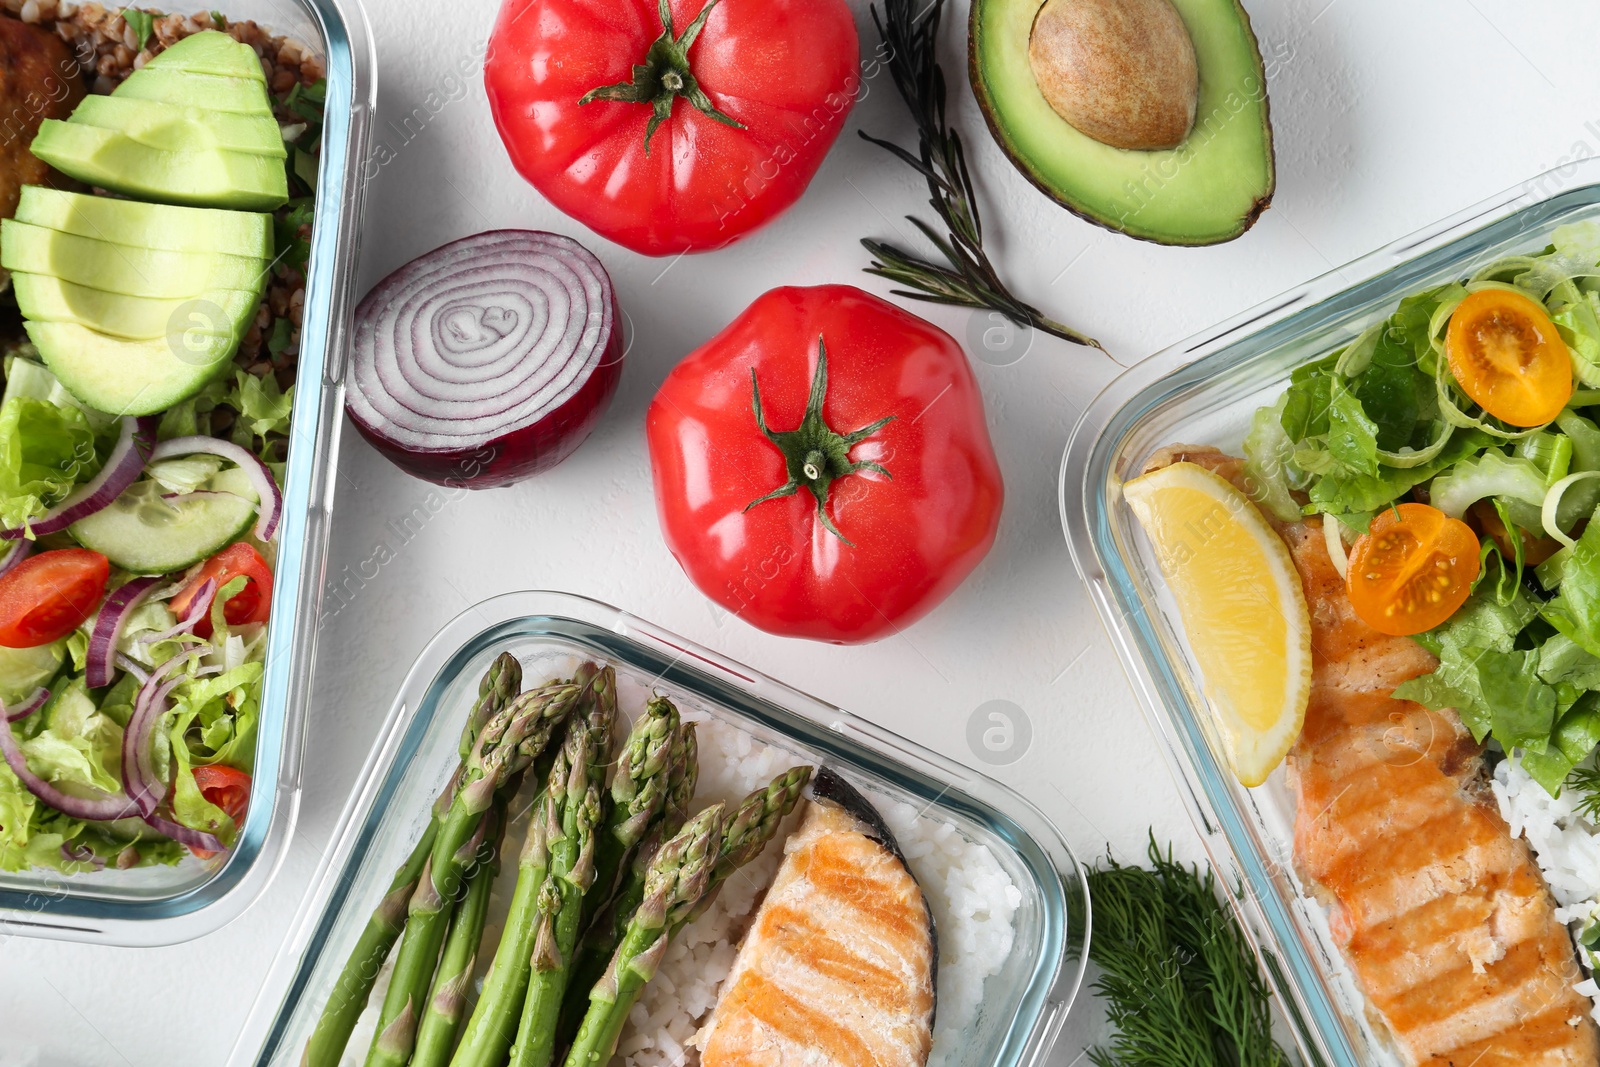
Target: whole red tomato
673, 126
822, 467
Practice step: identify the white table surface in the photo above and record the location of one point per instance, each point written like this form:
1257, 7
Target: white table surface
1388, 115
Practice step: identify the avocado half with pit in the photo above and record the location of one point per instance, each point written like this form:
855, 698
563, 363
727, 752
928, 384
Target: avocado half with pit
1147, 117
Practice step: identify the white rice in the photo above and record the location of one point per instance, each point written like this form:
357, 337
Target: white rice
974, 904
1565, 844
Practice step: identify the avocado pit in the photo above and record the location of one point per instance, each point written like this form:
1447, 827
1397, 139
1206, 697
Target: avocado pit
1120, 71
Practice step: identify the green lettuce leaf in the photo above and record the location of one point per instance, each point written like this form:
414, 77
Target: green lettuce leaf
263, 408
1268, 456
1492, 692
1575, 613
79, 748
45, 450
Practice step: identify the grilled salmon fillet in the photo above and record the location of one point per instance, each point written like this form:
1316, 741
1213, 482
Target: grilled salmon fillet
1441, 914
838, 966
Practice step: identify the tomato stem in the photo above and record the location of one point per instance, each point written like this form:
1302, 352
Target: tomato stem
814, 454
664, 76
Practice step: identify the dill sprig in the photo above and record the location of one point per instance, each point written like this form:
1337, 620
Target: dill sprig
969, 279
1585, 781
1179, 979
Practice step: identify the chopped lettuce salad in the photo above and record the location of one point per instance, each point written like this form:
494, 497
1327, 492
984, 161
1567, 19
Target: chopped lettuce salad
209, 669
1384, 421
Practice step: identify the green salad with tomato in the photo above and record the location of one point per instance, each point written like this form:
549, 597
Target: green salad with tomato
1453, 452
131, 638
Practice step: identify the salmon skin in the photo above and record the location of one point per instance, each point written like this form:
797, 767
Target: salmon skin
838, 967
1441, 914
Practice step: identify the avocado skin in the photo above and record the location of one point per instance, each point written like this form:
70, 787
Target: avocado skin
991, 109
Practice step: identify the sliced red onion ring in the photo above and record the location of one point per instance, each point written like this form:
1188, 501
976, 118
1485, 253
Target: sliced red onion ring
122, 468
101, 665
81, 853
100, 809
139, 778
133, 667
16, 551
197, 611
488, 360
27, 707
269, 508
183, 835
141, 782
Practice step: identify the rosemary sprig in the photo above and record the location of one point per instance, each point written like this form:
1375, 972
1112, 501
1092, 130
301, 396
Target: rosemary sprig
1179, 979
970, 279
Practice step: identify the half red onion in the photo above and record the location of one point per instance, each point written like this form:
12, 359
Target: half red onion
100, 809
488, 360
15, 552
122, 468
269, 508
27, 707
101, 665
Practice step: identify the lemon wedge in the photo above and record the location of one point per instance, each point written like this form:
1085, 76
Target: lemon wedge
1242, 606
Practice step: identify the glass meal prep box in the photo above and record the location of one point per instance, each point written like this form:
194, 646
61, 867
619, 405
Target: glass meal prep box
1203, 392
1013, 1021
157, 905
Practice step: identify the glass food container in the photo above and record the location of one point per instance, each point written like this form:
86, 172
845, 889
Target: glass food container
1024, 1004
1203, 391
166, 905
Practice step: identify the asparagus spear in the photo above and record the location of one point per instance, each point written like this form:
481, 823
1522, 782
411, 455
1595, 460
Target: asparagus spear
602, 936
509, 741
572, 873
679, 875
441, 1018
753, 823
349, 998
580, 760
638, 792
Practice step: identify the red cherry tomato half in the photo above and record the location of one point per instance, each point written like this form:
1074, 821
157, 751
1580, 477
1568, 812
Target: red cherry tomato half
45, 597
864, 491
250, 604
227, 788
754, 92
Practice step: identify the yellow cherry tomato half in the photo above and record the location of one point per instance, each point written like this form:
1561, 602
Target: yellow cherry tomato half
1506, 355
1412, 569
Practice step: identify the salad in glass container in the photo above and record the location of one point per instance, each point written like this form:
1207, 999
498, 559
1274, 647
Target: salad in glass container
154, 245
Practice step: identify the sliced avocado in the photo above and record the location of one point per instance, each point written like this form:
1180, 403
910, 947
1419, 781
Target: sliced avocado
180, 87
122, 269
159, 226
1210, 187
211, 52
224, 312
174, 128
209, 177
124, 377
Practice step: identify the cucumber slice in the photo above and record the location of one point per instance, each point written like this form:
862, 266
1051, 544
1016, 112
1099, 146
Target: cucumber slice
146, 534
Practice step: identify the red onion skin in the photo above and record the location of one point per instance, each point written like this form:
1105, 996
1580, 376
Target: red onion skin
521, 453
